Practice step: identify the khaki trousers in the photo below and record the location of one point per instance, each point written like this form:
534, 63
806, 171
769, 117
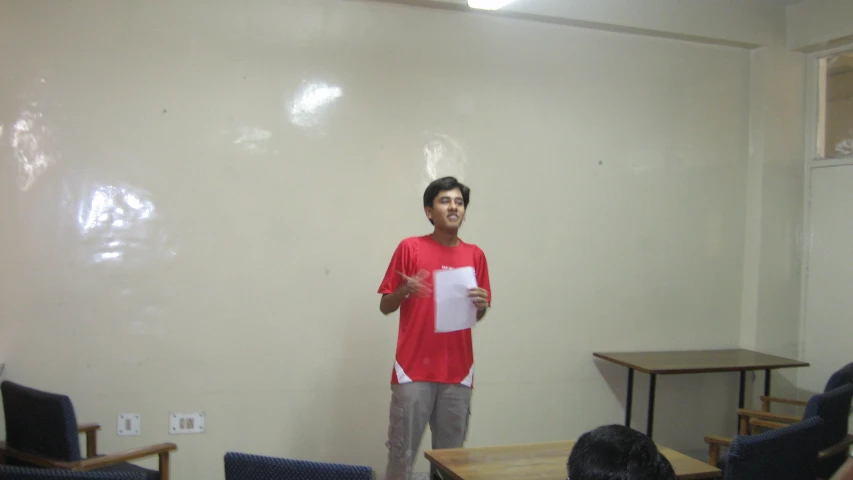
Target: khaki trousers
446, 407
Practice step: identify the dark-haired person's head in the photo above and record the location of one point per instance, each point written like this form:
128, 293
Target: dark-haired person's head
616, 452
445, 201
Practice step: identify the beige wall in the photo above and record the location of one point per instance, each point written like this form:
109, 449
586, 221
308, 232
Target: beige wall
817, 24
828, 300
181, 234
772, 260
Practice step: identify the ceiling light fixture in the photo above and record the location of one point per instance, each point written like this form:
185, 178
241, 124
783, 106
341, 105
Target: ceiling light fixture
488, 4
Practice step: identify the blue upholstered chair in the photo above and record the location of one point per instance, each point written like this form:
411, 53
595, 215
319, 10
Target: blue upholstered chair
42, 431
833, 407
786, 453
841, 377
244, 466
9, 472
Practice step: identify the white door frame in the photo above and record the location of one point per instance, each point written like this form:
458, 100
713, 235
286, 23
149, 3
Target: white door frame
812, 109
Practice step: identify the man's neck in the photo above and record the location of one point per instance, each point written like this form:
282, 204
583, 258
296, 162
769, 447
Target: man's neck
445, 238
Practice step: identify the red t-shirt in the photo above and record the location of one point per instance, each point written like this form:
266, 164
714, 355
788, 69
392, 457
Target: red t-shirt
422, 354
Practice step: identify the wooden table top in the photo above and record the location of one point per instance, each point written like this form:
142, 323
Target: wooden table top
699, 361
540, 461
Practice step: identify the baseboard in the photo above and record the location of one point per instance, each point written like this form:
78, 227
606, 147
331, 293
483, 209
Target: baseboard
416, 476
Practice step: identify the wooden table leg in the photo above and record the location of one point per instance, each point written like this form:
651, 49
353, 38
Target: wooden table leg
651, 418
628, 403
741, 393
767, 382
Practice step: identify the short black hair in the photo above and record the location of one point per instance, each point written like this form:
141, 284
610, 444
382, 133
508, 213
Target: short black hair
442, 185
617, 452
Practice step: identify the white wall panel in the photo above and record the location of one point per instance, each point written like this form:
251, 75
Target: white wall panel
177, 234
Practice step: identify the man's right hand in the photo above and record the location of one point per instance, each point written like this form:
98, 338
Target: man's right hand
415, 285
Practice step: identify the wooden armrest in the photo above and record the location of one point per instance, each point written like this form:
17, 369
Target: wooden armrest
767, 400
114, 458
717, 440
162, 450
745, 417
91, 431
773, 417
839, 447
758, 422
88, 427
6, 451
714, 443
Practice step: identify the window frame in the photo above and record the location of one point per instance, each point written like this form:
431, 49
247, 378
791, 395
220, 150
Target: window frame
815, 105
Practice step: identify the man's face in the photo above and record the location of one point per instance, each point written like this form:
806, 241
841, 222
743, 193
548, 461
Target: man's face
448, 210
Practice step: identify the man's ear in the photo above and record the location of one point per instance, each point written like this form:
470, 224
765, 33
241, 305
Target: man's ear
428, 212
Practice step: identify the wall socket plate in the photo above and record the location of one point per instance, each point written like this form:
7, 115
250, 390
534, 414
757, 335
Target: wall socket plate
185, 423
129, 424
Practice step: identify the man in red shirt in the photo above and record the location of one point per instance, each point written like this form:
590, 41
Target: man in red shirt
433, 373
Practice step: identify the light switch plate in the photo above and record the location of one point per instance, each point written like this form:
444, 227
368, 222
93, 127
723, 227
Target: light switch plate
129, 424
183, 423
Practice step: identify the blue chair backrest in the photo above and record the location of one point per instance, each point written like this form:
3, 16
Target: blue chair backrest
834, 408
843, 376
787, 453
244, 466
8, 472
40, 423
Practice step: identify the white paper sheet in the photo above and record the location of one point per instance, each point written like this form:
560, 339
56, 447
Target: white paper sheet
454, 309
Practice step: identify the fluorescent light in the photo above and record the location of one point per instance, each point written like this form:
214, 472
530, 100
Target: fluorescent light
488, 4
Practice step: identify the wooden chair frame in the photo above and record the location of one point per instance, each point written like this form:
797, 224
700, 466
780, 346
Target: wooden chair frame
753, 420
93, 461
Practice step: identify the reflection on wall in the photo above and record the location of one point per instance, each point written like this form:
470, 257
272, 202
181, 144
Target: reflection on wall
253, 140
443, 156
119, 225
246, 139
28, 135
311, 102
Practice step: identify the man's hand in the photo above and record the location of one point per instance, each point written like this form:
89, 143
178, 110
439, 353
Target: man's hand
415, 285
480, 297
411, 285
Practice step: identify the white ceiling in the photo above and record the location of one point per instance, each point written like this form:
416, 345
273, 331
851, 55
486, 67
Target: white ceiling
739, 23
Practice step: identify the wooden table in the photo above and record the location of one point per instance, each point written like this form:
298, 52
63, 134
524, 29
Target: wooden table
538, 461
694, 361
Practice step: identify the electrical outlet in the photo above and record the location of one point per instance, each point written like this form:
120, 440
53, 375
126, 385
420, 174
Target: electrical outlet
183, 423
129, 424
